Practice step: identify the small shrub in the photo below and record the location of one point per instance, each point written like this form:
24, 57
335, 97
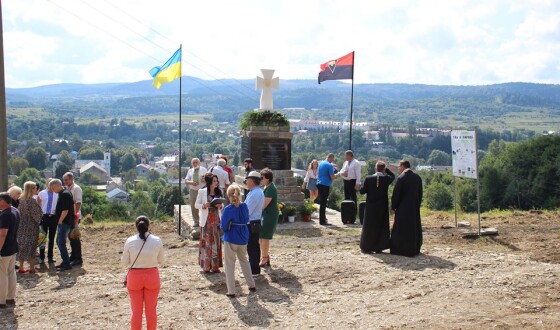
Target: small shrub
263, 118
438, 196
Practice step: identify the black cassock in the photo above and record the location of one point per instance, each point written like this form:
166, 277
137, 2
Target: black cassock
375, 231
406, 237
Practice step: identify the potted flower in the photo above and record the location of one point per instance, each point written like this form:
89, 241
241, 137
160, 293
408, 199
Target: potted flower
280, 211
306, 209
290, 211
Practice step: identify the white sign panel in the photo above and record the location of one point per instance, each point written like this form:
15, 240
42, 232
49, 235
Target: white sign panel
464, 154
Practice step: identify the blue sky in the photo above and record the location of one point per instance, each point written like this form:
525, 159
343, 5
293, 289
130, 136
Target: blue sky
455, 42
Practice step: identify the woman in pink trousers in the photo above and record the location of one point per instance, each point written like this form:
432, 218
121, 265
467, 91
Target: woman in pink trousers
142, 254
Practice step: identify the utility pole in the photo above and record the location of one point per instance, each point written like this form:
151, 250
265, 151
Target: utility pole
3, 121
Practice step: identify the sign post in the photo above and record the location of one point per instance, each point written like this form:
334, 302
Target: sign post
465, 162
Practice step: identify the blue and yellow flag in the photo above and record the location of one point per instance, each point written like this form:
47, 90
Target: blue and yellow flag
168, 72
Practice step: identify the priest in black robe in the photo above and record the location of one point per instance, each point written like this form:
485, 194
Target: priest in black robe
406, 236
375, 230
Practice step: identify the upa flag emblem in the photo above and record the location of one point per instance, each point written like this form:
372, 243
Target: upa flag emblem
342, 68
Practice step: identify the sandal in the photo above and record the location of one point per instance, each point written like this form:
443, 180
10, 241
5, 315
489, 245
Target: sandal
265, 261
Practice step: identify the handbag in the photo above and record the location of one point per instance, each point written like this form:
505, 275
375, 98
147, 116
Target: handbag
126, 276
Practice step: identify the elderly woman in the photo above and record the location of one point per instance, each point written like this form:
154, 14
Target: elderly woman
270, 215
210, 243
15, 193
236, 236
30, 218
310, 181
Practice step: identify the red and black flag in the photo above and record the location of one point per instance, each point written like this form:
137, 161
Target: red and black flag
342, 68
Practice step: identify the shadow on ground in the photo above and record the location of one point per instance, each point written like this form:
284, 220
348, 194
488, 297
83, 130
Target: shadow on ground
420, 262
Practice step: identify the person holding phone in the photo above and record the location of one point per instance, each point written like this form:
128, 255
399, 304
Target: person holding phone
210, 243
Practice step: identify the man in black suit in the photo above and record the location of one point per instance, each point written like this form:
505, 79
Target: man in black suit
406, 236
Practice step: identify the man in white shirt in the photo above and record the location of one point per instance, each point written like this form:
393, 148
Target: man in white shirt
223, 176
195, 181
48, 200
75, 243
351, 173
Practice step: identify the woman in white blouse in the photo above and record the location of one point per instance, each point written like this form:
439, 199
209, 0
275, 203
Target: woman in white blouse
210, 242
310, 181
142, 254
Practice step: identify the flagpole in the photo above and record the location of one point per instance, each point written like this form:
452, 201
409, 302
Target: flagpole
352, 102
180, 140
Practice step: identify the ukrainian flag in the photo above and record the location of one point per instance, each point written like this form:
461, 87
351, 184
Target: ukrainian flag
168, 72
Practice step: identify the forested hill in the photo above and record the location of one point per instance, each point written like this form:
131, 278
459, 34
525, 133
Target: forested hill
382, 102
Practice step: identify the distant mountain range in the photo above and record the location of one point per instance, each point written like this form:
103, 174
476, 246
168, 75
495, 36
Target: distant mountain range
382, 101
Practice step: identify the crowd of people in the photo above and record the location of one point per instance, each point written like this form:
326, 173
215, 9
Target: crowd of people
235, 224
24, 214
405, 238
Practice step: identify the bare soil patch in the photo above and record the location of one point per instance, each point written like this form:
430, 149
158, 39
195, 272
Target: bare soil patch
319, 279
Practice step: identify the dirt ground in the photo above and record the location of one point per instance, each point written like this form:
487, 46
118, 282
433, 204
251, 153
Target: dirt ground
319, 279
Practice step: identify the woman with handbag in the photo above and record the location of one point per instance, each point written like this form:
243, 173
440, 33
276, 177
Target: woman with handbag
142, 254
210, 243
236, 236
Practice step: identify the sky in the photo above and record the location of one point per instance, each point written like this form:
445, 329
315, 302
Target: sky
456, 42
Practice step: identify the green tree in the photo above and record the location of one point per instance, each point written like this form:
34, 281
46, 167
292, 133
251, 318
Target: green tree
128, 162
29, 174
155, 190
438, 196
61, 168
167, 200
64, 157
37, 158
130, 176
439, 158
153, 175
117, 211
142, 186
89, 152
158, 150
94, 203
466, 195
17, 165
142, 204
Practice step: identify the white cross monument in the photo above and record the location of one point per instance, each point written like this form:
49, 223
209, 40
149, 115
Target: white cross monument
266, 83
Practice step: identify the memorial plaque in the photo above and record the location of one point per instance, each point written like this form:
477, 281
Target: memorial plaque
275, 154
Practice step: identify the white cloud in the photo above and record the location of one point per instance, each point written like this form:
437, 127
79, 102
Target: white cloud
436, 42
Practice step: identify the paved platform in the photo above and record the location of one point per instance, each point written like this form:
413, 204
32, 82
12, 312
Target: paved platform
333, 217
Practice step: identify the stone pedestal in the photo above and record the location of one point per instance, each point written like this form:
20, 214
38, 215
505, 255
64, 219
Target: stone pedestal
271, 146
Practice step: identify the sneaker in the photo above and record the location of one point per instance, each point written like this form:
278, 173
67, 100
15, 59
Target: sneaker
77, 262
41, 261
256, 275
3, 306
52, 261
10, 302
